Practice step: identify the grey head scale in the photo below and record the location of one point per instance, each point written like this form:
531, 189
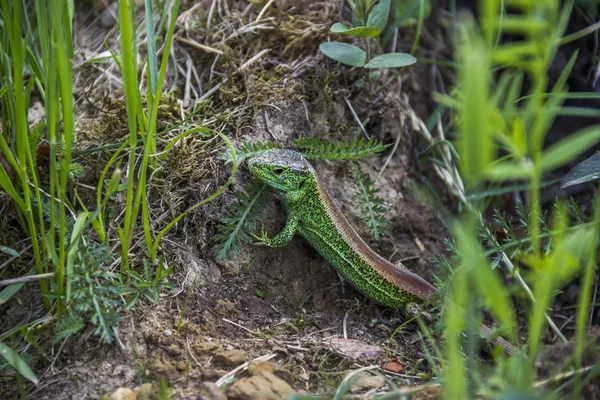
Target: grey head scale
284, 171
282, 158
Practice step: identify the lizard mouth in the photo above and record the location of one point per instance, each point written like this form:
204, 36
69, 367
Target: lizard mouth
264, 176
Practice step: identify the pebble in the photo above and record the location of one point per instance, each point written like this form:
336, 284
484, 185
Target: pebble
168, 332
229, 359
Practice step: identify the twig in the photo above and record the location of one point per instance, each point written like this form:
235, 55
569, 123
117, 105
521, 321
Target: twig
15, 257
197, 45
356, 118
579, 34
26, 279
240, 69
396, 143
240, 326
228, 377
561, 376
264, 10
344, 325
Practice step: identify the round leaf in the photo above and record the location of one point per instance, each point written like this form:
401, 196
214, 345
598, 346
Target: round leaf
344, 53
379, 15
361, 31
391, 60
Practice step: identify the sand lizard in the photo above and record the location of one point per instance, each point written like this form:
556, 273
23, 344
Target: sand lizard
312, 213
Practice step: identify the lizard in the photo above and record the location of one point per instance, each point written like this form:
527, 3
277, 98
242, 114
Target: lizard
312, 213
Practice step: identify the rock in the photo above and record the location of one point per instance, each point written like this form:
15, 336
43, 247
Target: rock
265, 386
209, 374
206, 348
209, 391
168, 332
365, 381
141, 392
229, 359
262, 367
144, 391
167, 370
123, 394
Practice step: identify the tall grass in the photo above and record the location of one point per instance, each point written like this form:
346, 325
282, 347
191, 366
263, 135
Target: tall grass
501, 139
19, 143
45, 202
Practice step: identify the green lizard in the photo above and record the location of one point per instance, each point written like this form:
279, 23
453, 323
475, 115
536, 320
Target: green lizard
312, 213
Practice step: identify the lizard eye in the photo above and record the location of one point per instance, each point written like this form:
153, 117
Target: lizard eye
278, 170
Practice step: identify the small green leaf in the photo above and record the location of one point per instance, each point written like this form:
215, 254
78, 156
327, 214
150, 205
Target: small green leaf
570, 147
80, 225
391, 60
344, 53
9, 251
17, 363
379, 15
361, 31
357, 8
585, 171
100, 58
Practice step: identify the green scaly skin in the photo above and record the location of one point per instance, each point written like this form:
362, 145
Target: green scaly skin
312, 214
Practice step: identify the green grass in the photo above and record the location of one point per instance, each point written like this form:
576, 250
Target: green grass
500, 138
75, 288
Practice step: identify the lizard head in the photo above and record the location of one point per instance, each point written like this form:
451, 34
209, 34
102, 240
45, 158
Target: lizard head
284, 171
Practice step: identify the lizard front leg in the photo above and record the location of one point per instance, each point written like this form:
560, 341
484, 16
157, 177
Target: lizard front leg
283, 238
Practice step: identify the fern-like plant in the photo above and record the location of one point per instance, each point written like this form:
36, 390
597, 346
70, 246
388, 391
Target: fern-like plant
233, 229
354, 149
96, 293
370, 203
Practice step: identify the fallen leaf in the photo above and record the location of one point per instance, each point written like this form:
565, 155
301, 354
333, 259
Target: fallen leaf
354, 348
393, 366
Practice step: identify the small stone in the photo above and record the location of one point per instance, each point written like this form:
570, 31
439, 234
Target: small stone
123, 394
168, 332
209, 374
365, 381
144, 391
260, 387
229, 347
209, 391
229, 359
262, 367
206, 348
167, 370
299, 357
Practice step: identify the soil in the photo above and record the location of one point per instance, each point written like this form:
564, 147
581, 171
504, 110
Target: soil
282, 304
